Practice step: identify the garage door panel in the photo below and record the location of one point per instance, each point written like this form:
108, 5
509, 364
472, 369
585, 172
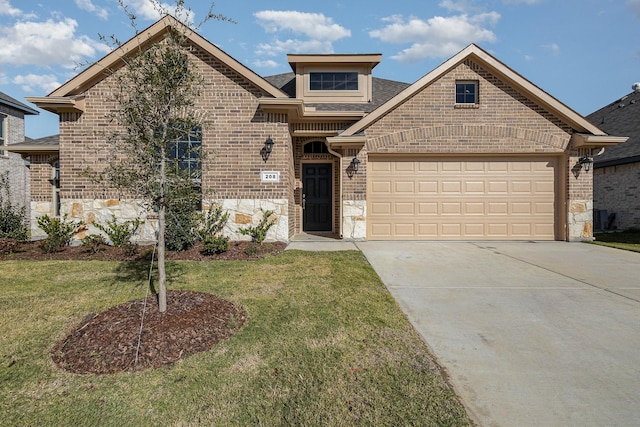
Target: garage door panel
461, 199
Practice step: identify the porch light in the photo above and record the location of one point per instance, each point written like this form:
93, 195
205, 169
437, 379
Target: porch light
585, 161
265, 152
355, 163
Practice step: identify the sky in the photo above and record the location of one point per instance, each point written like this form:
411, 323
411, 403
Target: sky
583, 52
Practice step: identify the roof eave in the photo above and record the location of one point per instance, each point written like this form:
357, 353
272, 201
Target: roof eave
296, 110
59, 104
33, 149
581, 140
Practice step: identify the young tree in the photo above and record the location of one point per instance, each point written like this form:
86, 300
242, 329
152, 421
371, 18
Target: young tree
155, 93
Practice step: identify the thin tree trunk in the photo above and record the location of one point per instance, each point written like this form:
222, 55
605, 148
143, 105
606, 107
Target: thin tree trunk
162, 273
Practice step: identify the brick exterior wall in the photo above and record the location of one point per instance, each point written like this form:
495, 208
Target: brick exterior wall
12, 163
617, 191
234, 130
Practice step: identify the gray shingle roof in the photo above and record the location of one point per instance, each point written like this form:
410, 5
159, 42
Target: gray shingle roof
382, 91
52, 140
620, 118
12, 102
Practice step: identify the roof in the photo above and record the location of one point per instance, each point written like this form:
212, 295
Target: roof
382, 91
14, 103
524, 86
621, 117
47, 144
69, 95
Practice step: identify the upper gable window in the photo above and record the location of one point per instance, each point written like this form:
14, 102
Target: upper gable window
333, 81
466, 92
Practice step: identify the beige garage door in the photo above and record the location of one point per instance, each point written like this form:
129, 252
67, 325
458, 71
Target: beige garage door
461, 199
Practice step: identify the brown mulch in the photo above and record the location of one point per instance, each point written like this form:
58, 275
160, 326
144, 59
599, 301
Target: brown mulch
16, 250
107, 342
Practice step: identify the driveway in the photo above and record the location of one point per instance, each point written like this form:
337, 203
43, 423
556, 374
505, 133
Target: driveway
531, 334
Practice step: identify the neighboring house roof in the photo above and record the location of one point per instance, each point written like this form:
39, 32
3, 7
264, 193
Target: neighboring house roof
524, 86
382, 91
69, 96
621, 117
14, 103
47, 144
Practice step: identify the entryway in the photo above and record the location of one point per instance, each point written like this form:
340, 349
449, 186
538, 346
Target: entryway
317, 195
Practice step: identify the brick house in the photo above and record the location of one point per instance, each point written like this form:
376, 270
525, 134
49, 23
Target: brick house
616, 174
470, 151
12, 113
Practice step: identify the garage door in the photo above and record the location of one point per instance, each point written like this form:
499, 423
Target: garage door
461, 199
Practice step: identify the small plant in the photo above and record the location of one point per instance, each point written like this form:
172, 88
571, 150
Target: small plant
215, 245
211, 222
120, 234
59, 232
251, 249
12, 218
94, 243
259, 232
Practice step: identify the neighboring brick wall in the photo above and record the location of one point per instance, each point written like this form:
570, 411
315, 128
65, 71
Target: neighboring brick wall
12, 163
617, 189
234, 130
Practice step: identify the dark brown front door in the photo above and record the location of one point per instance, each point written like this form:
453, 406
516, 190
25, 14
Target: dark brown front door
316, 197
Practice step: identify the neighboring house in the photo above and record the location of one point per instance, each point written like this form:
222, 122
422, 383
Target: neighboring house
472, 150
616, 175
12, 113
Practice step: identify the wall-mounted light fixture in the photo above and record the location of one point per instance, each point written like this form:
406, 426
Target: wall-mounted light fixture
585, 162
355, 164
265, 152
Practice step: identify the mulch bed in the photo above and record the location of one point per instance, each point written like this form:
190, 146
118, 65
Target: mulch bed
107, 342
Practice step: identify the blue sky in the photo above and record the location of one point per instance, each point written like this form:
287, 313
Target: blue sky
583, 52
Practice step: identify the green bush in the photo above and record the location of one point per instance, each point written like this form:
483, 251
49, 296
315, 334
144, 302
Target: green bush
252, 249
259, 232
210, 223
59, 232
120, 234
215, 245
181, 210
13, 224
94, 243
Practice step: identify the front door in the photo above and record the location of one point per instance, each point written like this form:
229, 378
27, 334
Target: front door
316, 197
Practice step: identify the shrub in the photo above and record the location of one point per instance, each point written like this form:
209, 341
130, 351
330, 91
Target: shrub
59, 232
94, 243
215, 245
181, 213
120, 234
13, 224
251, 249
259, 232
211, 222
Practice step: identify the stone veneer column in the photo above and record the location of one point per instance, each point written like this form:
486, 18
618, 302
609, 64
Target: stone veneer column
354, 219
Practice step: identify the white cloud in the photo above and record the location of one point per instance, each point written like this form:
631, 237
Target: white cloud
437, 37
522, 1
47, 43
462, 6
30, 82
528, 58
634, 5
265, 63
154, 9
87, 5
318, 32
7, 9
554, 48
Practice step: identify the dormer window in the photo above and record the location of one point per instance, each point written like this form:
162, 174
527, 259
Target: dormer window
333, 81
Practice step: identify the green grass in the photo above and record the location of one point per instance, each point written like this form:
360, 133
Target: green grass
628, 240
324, 344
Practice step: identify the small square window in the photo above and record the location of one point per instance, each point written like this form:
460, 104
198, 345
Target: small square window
467, 92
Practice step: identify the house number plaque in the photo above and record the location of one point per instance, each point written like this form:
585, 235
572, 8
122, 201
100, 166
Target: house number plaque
270, 176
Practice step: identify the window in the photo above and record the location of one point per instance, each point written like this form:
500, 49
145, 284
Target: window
185, 150
315, 147
466, 92
3, 141
333, 81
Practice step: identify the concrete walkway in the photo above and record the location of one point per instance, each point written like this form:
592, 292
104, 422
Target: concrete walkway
531, 334
315, 242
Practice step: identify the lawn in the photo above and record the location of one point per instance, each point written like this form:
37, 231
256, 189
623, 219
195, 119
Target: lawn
627, 240
324, 344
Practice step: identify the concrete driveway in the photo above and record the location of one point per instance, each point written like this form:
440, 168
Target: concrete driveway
531, 334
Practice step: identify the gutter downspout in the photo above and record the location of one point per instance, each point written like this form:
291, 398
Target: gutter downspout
339, 156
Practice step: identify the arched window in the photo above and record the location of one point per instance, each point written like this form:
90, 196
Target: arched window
315, 147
